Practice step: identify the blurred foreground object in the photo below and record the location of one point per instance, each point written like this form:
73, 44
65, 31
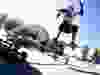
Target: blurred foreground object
98, 56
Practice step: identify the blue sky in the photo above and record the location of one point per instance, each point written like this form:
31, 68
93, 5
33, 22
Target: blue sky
90, 24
